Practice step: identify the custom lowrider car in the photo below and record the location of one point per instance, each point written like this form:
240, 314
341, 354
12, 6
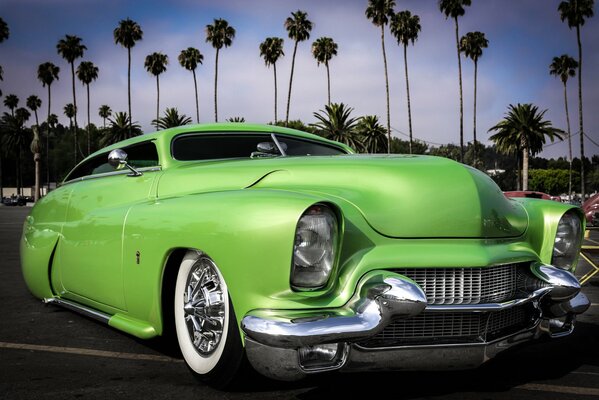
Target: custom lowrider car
283, 247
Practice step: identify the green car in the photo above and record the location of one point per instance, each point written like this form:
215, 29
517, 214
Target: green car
289, 250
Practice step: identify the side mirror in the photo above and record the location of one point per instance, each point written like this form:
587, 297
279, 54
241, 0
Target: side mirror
117, 158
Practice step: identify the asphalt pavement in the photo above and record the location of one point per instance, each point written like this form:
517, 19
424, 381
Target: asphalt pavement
50, 353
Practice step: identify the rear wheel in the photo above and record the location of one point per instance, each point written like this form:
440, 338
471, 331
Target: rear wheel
205, 321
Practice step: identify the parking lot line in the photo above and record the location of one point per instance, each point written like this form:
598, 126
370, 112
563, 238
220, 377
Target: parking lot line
87, 352
559, 389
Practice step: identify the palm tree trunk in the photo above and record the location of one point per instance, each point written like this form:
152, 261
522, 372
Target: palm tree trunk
387, 89
519, 178
290, 82
274, 68
129, 90
75, 105
157, 101
405, 60
37, 122
569, 140
216, 88
457, 41
89, 141
48, 143
328, 83
582, 177
474, 122
36, 159
525, 168
195, 85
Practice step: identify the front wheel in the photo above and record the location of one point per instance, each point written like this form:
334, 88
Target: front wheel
205, 321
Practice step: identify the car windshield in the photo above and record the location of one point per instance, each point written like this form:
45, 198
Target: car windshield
218, 146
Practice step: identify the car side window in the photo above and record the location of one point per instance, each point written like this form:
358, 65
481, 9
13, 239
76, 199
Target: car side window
139, 155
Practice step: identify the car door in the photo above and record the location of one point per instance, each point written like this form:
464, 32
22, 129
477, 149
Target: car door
90, 253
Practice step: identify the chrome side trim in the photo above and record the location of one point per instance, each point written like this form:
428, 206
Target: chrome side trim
81, 309
380, 297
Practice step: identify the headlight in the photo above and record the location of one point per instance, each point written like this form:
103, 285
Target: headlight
567, 241
315, 247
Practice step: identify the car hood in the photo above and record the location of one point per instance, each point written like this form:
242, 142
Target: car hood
399, 196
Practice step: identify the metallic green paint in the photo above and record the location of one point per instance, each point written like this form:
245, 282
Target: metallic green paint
105, 242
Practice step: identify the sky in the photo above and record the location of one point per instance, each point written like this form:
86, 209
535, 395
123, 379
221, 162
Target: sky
524, 36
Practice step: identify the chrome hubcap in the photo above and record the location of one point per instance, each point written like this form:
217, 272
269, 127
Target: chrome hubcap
204, 306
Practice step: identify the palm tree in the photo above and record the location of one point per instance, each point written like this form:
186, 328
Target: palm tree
4, 31
575, 11
171, 119
564, 67
455, 9
11, 101
373, 134
120, 129
524, 129
87, 72
70, 48
127, 34
298, 28
36, 149
379, 12
104, 112
34, 103
271, 50
70, 111
335, 123
405, 28
219, 35
156, 64
16, 141
323, 50
46, 74
189, 59
472, 45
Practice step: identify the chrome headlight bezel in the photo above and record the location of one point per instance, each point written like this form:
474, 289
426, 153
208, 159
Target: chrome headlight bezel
315, 248
567, 241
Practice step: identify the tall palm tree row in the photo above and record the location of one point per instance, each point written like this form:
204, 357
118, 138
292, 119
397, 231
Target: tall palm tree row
472, 45
87, 72
405, 28
524, 129
189, 59
104, 112
156, 64
70, 48
271, 50
219, 34
298, 28
34, 103
379, 12
564, 67
127, 33
575, 12
455, 9
323, 50
46, 74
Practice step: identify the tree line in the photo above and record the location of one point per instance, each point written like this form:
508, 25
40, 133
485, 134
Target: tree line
523, 132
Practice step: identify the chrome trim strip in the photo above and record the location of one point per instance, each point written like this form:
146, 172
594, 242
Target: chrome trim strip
491, 306
120, 172
81, 309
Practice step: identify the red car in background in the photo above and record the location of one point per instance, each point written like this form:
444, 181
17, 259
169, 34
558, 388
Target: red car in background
591, 210
532, 194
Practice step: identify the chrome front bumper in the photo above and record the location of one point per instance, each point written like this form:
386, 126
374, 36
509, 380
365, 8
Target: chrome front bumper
277, 340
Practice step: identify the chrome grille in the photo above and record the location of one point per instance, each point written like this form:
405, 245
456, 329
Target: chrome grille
476, 285
431, 328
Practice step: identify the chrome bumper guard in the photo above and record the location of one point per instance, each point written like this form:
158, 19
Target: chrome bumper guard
278, 341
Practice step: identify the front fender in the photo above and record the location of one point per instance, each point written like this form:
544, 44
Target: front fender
248, 233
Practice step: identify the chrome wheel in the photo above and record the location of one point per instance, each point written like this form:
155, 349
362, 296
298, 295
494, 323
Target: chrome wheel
204, 306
